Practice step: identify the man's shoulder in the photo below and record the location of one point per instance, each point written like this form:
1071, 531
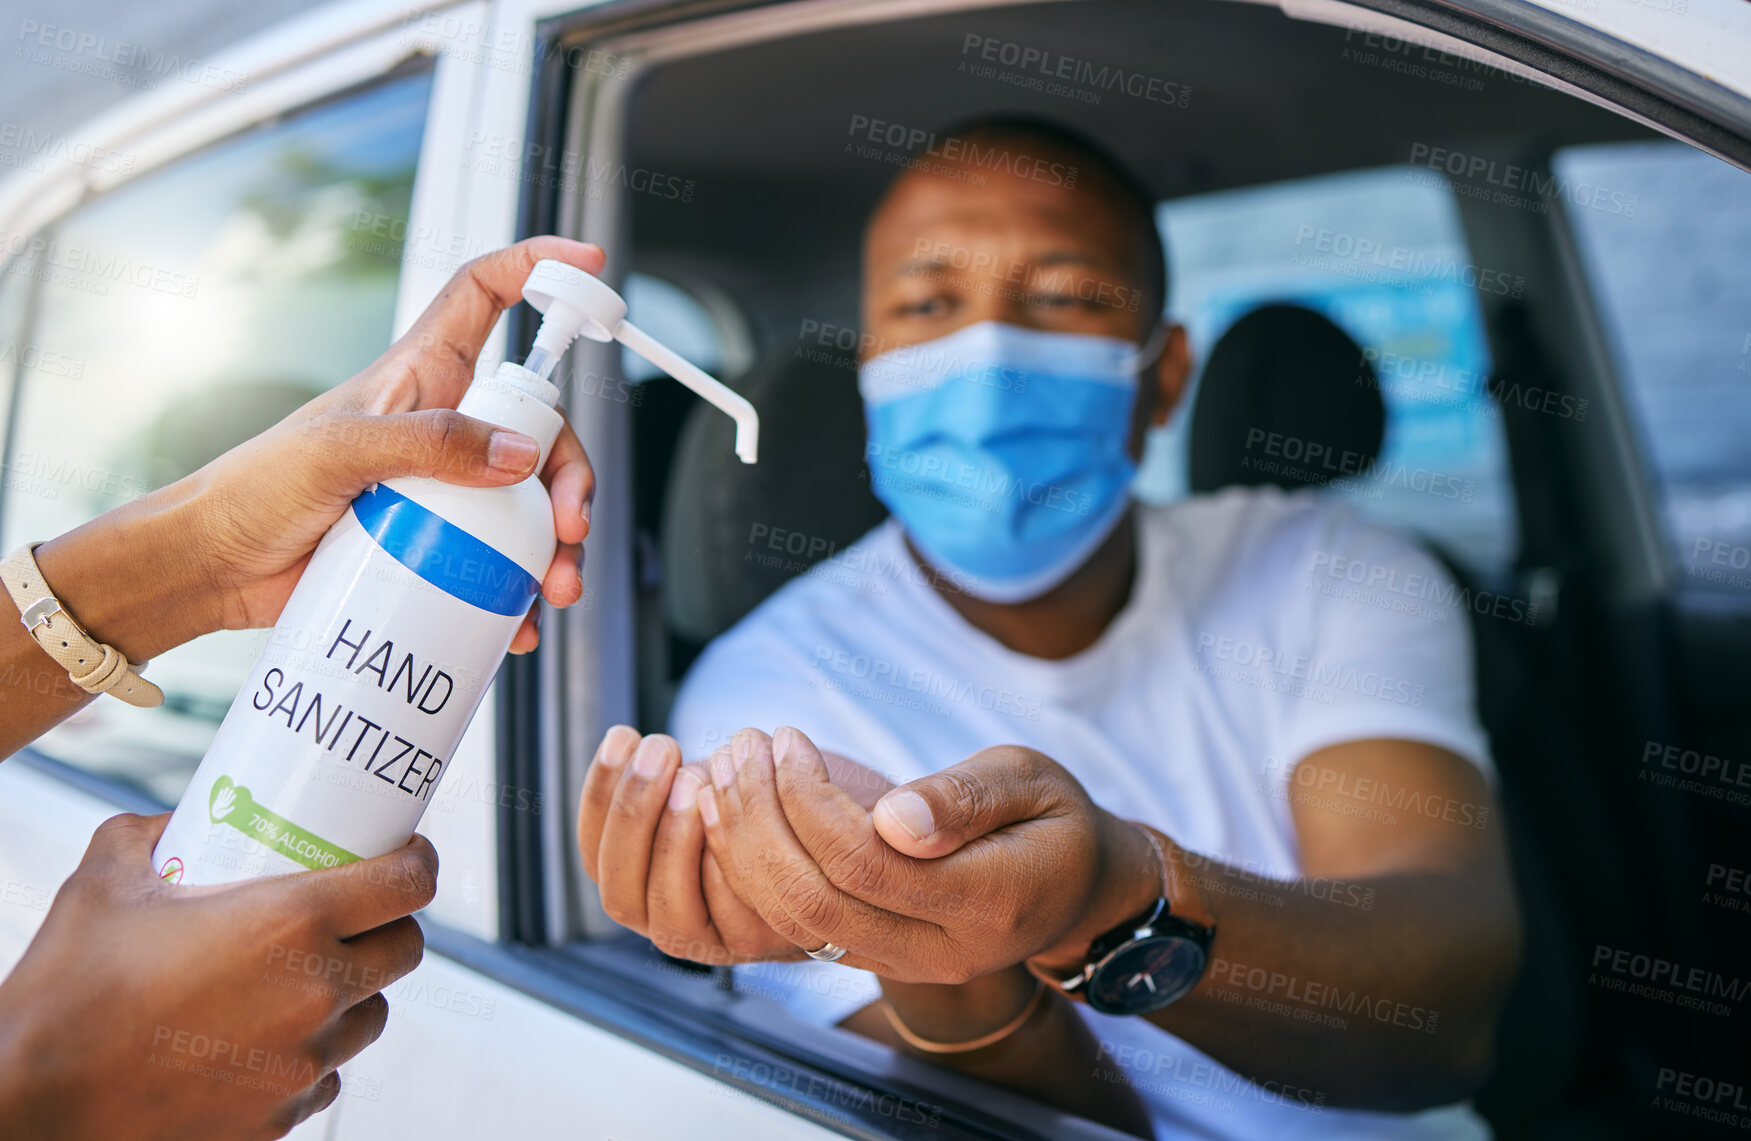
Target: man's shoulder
1239, 522
1254, 538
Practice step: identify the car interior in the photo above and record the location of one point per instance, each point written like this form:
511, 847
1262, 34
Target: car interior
767, 250
731, 177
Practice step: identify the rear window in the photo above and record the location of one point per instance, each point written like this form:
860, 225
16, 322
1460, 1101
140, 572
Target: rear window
1381, 253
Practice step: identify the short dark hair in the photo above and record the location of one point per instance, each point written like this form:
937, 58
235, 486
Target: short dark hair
1130, 190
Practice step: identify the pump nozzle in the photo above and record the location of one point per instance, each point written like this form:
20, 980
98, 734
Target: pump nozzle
575, 304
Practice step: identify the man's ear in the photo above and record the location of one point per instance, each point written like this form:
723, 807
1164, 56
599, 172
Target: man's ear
1173, 370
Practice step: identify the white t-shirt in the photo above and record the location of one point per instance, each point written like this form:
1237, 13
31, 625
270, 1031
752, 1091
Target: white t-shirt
1262, 627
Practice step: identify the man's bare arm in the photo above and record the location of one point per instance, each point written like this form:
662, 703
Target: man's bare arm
1375, 979
1053, 1057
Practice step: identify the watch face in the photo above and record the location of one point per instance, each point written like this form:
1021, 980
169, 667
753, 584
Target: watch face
1146, 976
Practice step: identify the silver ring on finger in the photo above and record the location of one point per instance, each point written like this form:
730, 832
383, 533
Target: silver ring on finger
826, 953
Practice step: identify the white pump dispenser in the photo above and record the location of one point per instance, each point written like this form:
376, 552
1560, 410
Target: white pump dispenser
577, 304
333, 748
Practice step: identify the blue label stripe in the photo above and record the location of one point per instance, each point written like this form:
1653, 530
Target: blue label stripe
444, 554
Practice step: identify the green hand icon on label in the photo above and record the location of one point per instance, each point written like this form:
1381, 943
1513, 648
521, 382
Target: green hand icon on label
231, 804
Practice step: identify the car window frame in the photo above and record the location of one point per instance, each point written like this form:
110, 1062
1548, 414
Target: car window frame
1615, 73
546, 901
541, 874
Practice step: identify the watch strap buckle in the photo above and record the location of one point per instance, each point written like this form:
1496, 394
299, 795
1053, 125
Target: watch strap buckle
93, 666
39, 612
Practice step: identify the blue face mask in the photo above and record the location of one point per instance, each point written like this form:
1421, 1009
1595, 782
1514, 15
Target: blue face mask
1002, 450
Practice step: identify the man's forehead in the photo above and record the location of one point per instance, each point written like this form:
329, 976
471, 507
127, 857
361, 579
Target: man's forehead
1025, 219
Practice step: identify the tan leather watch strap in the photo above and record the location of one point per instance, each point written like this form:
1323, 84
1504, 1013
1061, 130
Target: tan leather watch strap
93, 666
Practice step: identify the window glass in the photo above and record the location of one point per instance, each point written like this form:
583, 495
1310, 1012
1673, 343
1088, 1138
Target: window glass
1673, 287
203, 303
674, 317
17, 354
1381, 253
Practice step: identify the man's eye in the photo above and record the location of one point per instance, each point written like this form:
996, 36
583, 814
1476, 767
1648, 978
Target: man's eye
1052, 300
928, 307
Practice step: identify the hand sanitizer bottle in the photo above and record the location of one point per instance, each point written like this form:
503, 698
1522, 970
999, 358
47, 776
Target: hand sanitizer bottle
338, 739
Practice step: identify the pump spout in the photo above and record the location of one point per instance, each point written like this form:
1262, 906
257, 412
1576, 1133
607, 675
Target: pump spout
712, 389
574, 304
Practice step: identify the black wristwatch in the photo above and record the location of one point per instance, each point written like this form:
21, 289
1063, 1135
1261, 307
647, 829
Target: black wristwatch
1144, 964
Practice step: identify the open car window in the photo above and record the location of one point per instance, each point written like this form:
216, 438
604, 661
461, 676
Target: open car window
1347, 207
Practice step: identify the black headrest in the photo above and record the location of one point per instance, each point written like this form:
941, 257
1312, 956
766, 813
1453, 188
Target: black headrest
1287, 399
732, 532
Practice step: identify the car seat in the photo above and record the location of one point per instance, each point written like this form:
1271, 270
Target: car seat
733, 533
1288, 369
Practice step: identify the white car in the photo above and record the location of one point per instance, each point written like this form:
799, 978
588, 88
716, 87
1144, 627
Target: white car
1535, 214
